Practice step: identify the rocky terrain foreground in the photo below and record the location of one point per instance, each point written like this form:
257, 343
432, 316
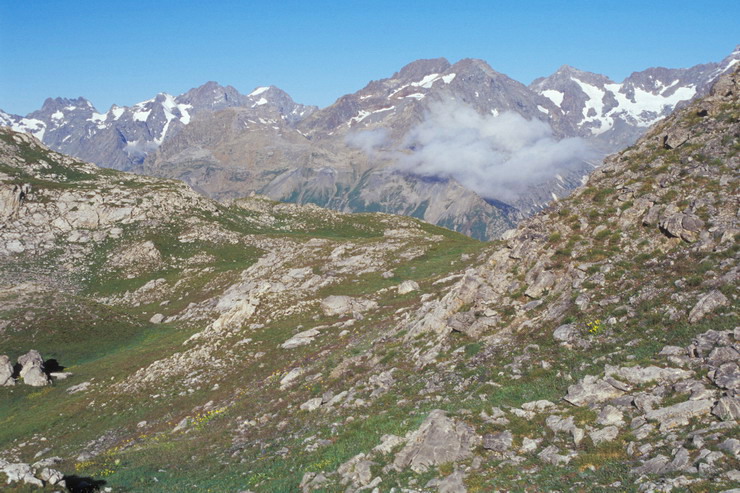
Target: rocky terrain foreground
155, 340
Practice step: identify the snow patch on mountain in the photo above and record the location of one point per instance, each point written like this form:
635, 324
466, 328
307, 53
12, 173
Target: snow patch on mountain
554, 96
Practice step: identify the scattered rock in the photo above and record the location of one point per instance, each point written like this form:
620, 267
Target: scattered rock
551, 456
707, 304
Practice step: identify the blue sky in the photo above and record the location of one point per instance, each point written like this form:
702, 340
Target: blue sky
127, 51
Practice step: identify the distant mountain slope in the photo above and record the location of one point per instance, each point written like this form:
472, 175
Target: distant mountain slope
379, 149
123, 136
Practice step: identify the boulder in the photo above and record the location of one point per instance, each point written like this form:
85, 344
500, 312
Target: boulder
342, 305
591, 390
300, 339
679, 225
637, 375
727, 408
727, 376
679, 414
566, 333
604, 435
312, 404
407, 287
291, 377
6, 371
610, 416
438, 440
707, 304
731, 446
32, 369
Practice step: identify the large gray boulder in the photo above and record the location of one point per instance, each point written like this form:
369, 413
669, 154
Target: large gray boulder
438, 440
32, 369
6, 371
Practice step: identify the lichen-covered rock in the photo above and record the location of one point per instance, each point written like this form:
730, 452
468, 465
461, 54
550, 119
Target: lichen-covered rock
438, 440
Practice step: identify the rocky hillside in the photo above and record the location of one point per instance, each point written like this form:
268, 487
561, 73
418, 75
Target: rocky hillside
272, 347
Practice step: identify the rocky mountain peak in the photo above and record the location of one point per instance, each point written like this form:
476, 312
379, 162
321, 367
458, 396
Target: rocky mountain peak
212, 96
418, 69
53, 105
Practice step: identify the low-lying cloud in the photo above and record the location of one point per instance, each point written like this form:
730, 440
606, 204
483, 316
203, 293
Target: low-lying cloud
369, 141
498, 157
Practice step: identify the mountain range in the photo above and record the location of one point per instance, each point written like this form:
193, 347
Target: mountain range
375, 149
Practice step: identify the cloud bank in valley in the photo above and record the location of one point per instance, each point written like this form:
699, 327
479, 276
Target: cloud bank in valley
498, 157
370, 141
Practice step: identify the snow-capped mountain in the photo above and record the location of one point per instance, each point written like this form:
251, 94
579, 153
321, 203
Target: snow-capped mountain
123, 136
400, 101
614, 114
385, 147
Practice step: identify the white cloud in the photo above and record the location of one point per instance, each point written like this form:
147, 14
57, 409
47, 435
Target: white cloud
496, 156
369, 141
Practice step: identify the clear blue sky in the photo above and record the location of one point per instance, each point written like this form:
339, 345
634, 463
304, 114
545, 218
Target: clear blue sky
125, 52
